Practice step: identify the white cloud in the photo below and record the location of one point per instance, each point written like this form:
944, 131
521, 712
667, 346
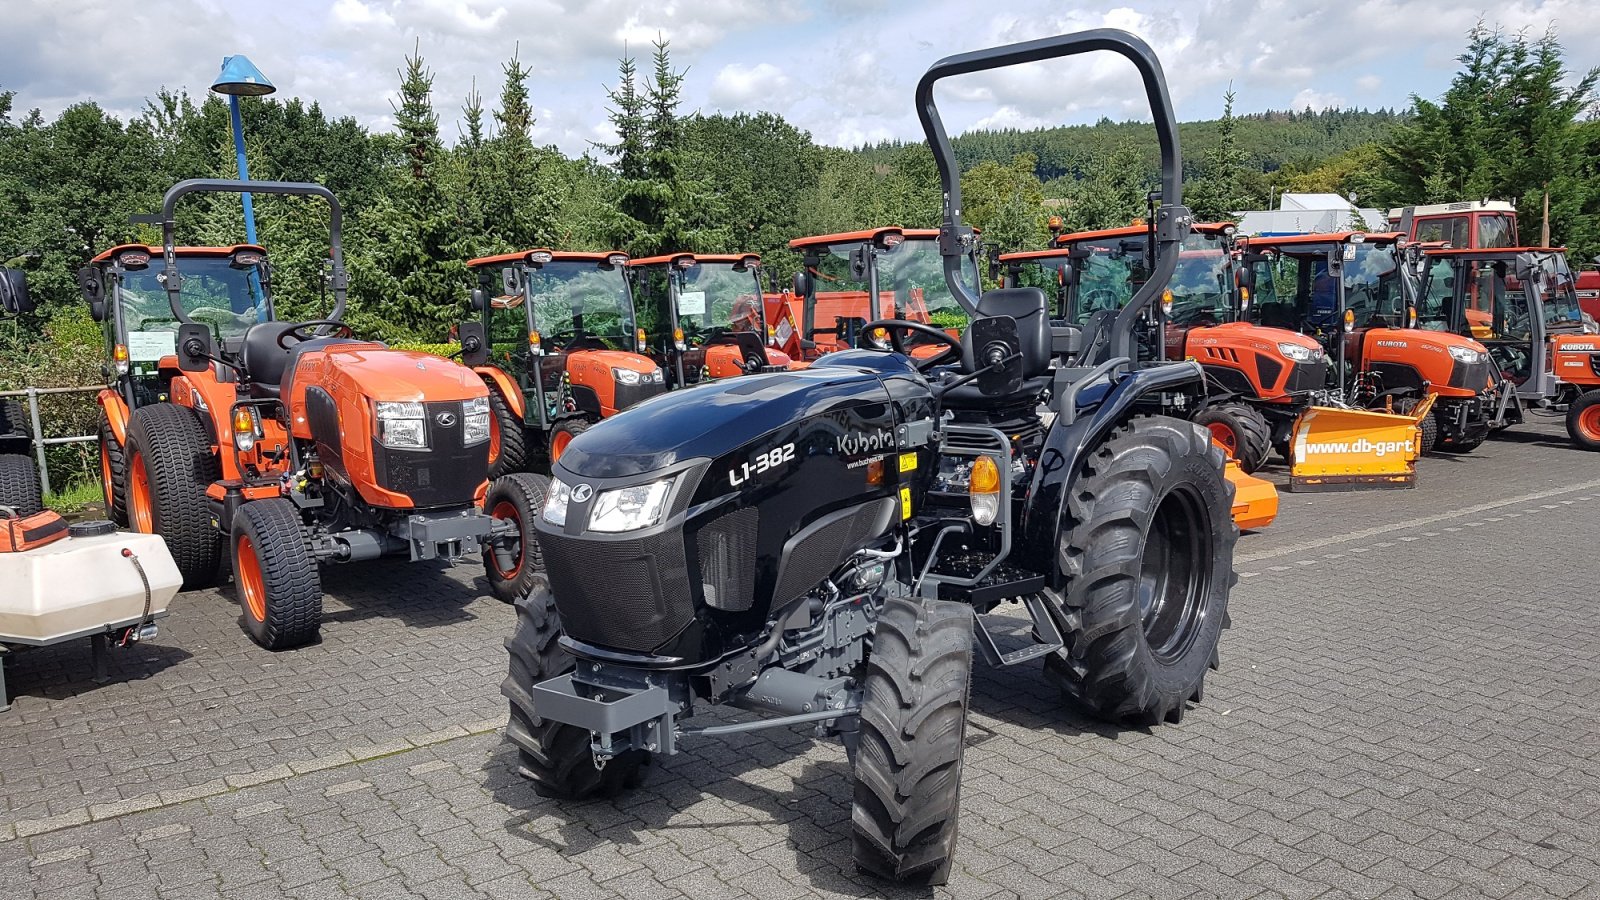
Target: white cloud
1317, 100
741, 87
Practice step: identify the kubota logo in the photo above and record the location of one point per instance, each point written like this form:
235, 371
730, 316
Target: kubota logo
446, 420
857, 442
1401, 344
581, 493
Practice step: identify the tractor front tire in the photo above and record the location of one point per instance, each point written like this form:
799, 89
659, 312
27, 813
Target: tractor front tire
1428, 427
279, 586
1242, 430
520, 498
1583, 420
1149, 561
508, 443
909, 748
169, 466
563, 433
19, 486
553, 755
113, 474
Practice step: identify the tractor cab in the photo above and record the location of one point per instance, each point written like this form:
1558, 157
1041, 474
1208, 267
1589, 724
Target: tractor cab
1522, 304
562, 348
224, 289
703, 316
857, 277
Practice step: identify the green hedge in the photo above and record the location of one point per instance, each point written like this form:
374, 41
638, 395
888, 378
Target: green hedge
423, 347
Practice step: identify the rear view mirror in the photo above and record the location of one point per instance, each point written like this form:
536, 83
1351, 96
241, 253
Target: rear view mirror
14, 296
480, 300
93, 291
858, 262
511, 280
474, 344
194, 347
797, 285
997, 352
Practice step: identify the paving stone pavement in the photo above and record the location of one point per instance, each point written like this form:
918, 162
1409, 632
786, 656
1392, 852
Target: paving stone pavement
1409, 706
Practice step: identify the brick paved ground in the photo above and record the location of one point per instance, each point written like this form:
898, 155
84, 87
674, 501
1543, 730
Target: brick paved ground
1409, 705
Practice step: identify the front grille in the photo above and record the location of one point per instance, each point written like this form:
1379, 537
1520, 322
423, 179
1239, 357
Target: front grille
445, 474
1308, 376
1268, 369
726, 551
627, 595
1472, 376
630, 394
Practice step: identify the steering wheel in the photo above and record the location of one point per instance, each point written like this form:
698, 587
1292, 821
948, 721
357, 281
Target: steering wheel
300, 336
1100, 298
895, 326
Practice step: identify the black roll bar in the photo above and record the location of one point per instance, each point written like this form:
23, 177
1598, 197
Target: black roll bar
173, 280
1172, 218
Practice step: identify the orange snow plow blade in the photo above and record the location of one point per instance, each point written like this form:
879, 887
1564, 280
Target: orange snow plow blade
1255, 500
1352, 449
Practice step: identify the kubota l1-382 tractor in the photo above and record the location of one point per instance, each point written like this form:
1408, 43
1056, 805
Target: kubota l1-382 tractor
299, 445
822, 545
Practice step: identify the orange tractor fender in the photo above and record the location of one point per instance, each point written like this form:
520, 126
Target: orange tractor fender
116, 412
508, 389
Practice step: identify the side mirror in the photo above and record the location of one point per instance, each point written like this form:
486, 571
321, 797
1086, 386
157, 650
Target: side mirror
194, 347
997, 352
480, 300
510, 280
798, 284
14, 296
474, 344
93, 291
858, 262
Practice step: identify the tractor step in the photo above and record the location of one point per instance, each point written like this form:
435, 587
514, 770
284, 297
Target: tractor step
1046, 636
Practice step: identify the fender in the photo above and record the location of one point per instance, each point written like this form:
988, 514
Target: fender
1044, 519
586, 399
116, 410
500, 381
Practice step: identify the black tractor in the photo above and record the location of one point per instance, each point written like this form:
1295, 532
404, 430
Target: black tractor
20, 488
823, 546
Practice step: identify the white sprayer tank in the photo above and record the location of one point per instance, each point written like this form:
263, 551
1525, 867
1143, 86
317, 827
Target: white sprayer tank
77, 586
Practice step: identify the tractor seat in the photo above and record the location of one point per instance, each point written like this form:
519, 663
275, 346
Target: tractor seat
1027, 307
270, 365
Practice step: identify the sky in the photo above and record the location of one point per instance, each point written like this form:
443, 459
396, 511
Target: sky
845, 71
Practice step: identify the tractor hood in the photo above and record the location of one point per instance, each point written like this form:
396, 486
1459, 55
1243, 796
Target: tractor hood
1243, 333
383, 374
1423, 338
714, 419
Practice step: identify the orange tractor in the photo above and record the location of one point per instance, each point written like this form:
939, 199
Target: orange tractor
860, 276
1521, 303
703, 316
1355, 294
558, 346
294, 444
1258, 380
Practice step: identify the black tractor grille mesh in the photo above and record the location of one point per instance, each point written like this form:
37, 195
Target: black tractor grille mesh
627, 595
1308, 376
1473, 376
726, 549
816, 555
630, 394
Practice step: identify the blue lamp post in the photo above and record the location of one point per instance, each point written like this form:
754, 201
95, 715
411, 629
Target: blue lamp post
240, 78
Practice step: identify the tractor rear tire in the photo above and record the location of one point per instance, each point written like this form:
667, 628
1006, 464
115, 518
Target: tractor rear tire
113, 475
169, 466
1149, 560
520, 498
19, 486
909, 749
553, 755
563, 433
1242, 430
508, 443
279, 585
1429, 426
1583, 420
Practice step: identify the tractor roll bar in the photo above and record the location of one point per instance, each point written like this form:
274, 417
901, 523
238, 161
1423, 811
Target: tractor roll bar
173, 280
1172, 218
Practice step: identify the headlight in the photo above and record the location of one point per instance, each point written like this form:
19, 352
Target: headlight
475, 421
630, 508
555, 502
1467, 354
402, 425
1299, 353
625, 376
